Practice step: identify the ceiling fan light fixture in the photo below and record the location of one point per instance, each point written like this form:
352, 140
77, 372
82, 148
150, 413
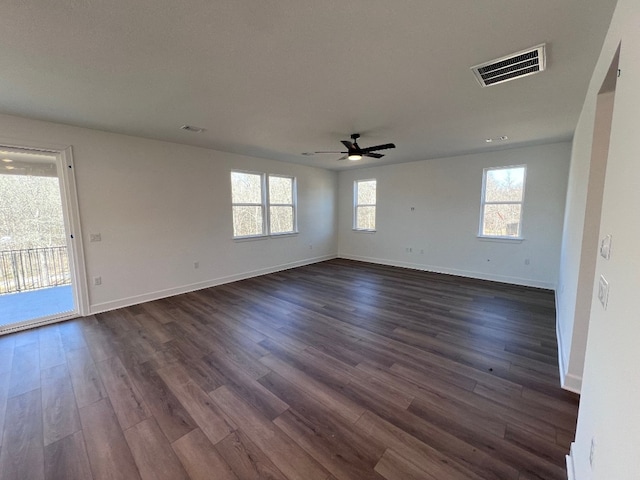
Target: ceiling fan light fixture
355, 156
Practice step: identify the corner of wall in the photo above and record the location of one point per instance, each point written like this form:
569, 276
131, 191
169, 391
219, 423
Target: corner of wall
568, 381
571, 471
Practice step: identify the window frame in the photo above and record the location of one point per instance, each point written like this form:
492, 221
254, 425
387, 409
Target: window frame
293, 204
357, 205
484, 203
262, 204
265, 205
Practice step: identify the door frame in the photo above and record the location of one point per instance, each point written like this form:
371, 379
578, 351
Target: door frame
71, 215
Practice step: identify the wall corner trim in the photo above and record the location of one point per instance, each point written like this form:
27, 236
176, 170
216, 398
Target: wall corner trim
571, 471
568, 381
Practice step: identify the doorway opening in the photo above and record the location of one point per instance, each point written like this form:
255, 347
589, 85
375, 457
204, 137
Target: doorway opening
38, 281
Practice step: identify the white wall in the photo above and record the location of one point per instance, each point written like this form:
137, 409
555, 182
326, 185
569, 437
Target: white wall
446, 195
611, 382
160, 207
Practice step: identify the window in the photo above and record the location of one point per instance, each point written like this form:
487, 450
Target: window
502, 199
253, 210
364, 215
282, 218
248, 204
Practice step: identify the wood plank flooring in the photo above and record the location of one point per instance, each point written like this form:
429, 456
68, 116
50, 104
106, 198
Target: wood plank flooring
335, 371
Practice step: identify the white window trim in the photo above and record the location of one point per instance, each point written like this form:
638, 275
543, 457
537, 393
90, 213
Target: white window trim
483, 203
356, 205
264, 205
261, 205
293, 205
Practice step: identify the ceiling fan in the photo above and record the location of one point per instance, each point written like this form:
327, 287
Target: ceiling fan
355, 152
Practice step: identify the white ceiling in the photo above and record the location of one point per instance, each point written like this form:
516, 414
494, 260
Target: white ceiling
275, 78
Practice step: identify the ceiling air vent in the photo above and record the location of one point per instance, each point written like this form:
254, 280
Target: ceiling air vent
516, 65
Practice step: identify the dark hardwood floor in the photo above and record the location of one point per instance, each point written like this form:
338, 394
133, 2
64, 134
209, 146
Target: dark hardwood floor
334, 371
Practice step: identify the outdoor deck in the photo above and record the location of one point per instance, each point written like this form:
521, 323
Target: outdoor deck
21, 306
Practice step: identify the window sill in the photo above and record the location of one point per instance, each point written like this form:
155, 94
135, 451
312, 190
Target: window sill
252, 238
264, 237
485, 238
362, 230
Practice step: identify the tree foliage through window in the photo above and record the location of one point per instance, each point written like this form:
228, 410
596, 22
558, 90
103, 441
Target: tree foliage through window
502, 201
250, 204
30, 212
365, 205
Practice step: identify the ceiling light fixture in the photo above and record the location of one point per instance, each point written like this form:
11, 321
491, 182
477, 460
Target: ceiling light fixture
489, 140
7, 160
355, 156
9, 167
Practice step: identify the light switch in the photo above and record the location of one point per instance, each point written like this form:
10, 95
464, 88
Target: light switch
605, 247
603, 291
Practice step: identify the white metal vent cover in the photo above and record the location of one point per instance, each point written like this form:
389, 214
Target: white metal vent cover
517, 65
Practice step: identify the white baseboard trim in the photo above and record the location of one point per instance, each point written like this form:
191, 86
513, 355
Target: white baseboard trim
573, 383
452, 271
170, 292
568, 381
571, 471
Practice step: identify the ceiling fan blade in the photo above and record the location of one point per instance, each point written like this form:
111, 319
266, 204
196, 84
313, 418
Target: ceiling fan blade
347, 144
373, 155
343, 158
377, 147
330, 152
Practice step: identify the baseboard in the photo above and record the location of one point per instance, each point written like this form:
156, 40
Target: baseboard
568, 381
170, 292
452, 271
571, 471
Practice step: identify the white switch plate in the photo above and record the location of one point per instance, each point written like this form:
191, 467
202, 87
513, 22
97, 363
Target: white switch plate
603, 291
95, 237
605, 247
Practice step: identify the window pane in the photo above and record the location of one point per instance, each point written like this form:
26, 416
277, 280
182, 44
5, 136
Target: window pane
502, 220
281, 219
366, 192
366, 218
504, 185
246, 187
247, 221
281, 190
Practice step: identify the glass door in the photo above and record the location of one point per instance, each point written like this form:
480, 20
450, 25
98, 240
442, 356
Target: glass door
36, 274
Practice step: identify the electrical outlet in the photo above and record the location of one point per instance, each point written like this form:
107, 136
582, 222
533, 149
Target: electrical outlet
95, 237
196, 265
97, 281
603, 291
526, 261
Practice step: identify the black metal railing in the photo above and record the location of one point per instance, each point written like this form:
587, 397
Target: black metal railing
33, 268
